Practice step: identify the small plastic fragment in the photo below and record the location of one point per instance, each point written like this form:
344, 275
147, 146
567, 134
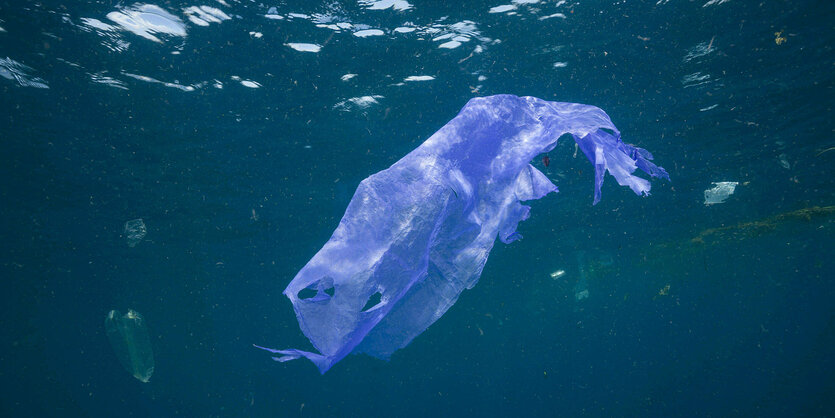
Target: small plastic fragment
135, 230
720, 192
783, 159
129, 338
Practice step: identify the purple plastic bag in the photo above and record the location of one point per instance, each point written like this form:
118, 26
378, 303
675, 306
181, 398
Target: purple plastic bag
417, 234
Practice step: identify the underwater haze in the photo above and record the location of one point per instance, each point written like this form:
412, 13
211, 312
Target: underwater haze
167, 168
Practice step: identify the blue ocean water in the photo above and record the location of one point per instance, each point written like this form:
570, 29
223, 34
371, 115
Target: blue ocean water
238, 132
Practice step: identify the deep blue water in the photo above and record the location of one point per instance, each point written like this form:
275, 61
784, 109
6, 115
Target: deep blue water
240, 150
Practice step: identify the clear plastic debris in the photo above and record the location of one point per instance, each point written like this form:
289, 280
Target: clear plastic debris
557, 274
135, 230
128, 336
581, 289
783, 159
720, 192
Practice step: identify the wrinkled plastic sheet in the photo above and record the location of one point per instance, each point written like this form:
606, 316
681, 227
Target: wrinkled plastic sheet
135, 230
720, 192
415, 235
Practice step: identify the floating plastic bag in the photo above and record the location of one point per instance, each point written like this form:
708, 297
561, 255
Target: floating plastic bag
415, 235
128, 336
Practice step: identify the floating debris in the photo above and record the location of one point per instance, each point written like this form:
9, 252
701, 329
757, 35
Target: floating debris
720, 192
783, 159
135, 230
557, 274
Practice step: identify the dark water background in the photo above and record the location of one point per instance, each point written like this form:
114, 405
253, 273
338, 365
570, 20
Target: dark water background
240, 186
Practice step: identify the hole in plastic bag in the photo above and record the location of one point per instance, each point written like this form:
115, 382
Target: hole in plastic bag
308, 292
373, 301
318, 291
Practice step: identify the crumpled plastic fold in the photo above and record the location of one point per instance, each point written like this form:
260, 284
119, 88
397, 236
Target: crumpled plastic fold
415, 235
